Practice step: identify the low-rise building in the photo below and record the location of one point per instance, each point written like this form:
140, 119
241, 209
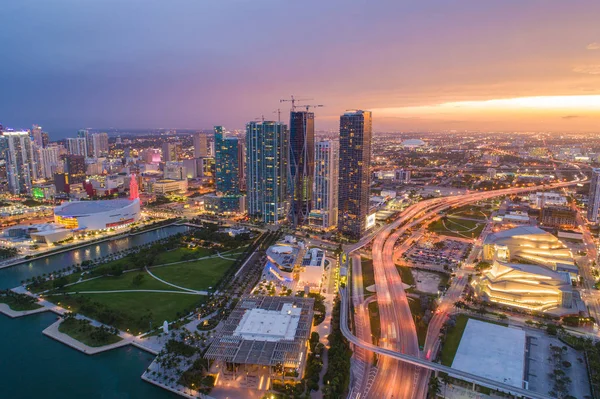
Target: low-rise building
532, 287
166, 186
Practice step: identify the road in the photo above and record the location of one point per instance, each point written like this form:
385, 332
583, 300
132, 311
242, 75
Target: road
592, 295
415, 361
398, 333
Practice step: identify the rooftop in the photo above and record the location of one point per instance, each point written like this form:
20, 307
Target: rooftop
90, 207
247, 338
492, 351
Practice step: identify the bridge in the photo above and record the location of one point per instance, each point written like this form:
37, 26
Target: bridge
416, 361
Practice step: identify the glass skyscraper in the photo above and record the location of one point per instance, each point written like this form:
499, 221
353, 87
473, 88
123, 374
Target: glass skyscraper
266, 175
354, 173
20, 162
301, 164
593, 206
324, 213
227, 163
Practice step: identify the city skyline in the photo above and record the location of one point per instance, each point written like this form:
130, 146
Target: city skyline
422, 67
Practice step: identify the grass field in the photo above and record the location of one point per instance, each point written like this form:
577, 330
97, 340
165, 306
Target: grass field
180, 254
375, 321
406, 275
131, 306
367, 274
457, 228
417, 312
470, 211
122, 282
198, 275
454, 335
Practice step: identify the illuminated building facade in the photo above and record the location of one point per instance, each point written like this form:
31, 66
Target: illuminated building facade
301, 164
354, 173
593, 206
77, 146
20, 162
227, 163
76, 168
532, 287
324, 213
527, 243
266, 159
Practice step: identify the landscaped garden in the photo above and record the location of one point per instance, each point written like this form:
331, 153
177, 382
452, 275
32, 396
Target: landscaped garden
18, 302
84, 332
139, 291
455, 227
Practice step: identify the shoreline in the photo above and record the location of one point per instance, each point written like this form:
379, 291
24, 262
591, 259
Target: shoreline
83, 245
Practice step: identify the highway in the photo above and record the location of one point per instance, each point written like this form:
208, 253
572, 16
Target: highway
416, 361
398, 379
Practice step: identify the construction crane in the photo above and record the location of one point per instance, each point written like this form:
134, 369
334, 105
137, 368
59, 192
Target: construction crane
294, 100
308, 107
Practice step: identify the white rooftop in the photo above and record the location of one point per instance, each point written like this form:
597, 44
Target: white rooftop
269, 325
492, 351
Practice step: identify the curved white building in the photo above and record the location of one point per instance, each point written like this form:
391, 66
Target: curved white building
98, 215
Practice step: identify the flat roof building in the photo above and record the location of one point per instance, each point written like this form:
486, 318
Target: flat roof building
266, 331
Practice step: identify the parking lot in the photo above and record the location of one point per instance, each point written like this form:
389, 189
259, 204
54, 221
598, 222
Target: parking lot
441, 255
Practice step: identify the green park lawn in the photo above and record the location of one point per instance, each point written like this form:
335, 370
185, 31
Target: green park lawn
89, 335
375, 321
179, 254
471, 211
133, 311
122, 282
457, 228
452, 341
368, 274
197, 275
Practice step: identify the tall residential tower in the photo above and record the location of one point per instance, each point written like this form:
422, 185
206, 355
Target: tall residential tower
301, 164
324, 213
20, 163
594, 196
354, 173
266, 175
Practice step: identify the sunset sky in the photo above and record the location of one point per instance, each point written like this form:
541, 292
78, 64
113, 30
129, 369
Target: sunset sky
418, 65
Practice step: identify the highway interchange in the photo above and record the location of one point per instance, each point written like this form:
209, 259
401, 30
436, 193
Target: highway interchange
397, 376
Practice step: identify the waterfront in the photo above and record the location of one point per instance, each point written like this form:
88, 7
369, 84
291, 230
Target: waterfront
33, 363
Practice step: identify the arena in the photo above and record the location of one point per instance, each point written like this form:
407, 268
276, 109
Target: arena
98, 215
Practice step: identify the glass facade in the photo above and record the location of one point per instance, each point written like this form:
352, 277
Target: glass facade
301, 164
354, 173
266, 176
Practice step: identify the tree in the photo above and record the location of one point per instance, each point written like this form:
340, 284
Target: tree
138, 280
434, 387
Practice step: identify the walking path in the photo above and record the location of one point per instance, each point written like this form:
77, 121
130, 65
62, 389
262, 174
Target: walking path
120, 291
176, 286
6, 310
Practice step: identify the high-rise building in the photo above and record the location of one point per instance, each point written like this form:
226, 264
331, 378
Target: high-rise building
45, 139
20, 165
77, 146
594, 197
75, 168
171, 151
85, 134
301, 164
36, 135
227, 163
354, 173
266, 175
50, 161
324, 213
99, 144
200, 141
242, 163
